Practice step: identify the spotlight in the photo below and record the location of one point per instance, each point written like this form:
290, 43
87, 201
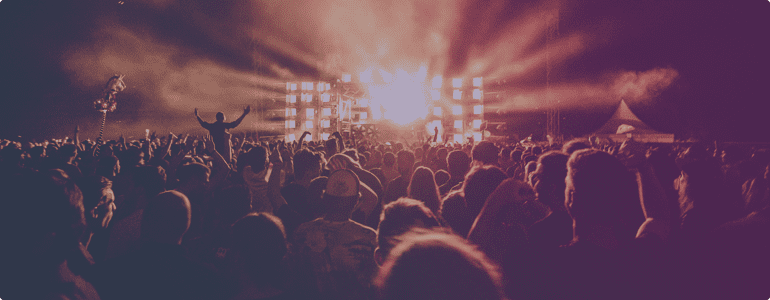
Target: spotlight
457, 82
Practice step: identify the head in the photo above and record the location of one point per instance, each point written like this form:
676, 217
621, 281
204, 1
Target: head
485, 153
330, 146
479, 184
341, 161
423, 187
505, 155
436, 265
405, 160
255, 160
307, 165
599, 191
442, 177
152, 180
575, 145
41, 215
397, 218
548, 179
389, 159
342, 192
259, 239
458, 164
98, 201
220, 117
166, 218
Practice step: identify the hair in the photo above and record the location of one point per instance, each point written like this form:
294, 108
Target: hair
423, 187
388, 159
399, 217
575, 145
485, 152
256, 158
479, 184
352, 153
458, 163
342, 161
405, 159
41, 217
548, 178
436, 265
516, 155
602, 190
304, 162
166, 218
505, 153
442, 177
260, 238
153, 179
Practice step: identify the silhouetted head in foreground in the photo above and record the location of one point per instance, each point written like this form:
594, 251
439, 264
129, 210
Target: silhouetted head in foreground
220, 117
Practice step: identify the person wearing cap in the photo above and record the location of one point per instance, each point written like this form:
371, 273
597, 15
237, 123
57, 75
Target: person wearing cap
334, 255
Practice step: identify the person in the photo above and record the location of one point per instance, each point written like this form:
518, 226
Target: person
368, 209
41, 222
218, 129
159, 270
423, 187
458, 164
548, 182
485, 153
438, 265
257, 262
396, 188
398, 218
334, 256
307, 166
461, 208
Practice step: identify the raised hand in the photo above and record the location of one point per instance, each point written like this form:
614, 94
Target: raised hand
196, 111
247, 109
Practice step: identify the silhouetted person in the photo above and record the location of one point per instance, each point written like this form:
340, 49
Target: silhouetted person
397, 218
218, 129
435, 265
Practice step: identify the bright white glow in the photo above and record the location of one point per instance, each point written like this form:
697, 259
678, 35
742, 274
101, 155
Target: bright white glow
366, 76
293, 111
291, 137
477, 94
477, 137
287, 112
291, 98
387, 77
435, 124
292, 124
476, 124
346, 77
325, 124
477, 81
327, 112
363, 102
293, 86
457, 110
457, 94
458, 138
458, 124
477, 109
326, 97
320, 86
304, 86
325, 136
328, 86
404, 99
437, 80
288, 86
457, 82
310, 112
363, 115
307, 97
435, 94
437, 111
309, 124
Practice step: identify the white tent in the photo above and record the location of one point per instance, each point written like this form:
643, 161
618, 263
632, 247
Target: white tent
625, 124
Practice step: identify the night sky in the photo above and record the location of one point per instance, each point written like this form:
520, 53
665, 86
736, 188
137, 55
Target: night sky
222, 55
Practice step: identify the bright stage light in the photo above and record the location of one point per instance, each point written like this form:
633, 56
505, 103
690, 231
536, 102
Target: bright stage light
310, 112
291, 137
478, 109
309, 124
366, 76
435, 94
476, 124
320, 86
435, 124
477, 81
346, 77
477, 94
457, 110
437, 111
363, 102
307, 97
287, 112
477, 137
291, 124
293, 86
328, 86
437, 80
363, 115
326, 97
288, 86
327, 112
325, 123
325, 136
291, 98
457, 82
458, 138
404, 99
457, 94
458, 124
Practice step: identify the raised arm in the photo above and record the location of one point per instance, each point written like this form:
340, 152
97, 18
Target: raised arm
203, 123
301, 139
651, 193
238, 121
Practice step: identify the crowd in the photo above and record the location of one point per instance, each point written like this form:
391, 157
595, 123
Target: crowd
235, 218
